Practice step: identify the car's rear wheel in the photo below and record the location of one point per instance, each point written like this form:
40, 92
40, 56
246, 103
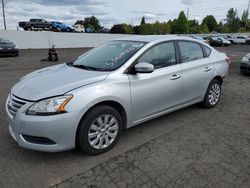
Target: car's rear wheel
99, 130
213, 94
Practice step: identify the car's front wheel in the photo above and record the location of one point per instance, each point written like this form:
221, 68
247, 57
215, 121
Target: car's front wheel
213, 94
99, 130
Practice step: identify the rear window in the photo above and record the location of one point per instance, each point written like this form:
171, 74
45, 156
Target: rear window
190, 51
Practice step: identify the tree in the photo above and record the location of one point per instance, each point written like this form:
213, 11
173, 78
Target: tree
244, 18
136, 29
172, 25
92, 22
219, 27
194, 27
211, 23
146, 29
204, 28
182, 23
233, 21
122, 29
165, 28
143, 21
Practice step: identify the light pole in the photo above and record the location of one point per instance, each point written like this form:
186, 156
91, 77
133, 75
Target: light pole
3, 16
247, 16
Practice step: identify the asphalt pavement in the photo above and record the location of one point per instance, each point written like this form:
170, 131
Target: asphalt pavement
193, 147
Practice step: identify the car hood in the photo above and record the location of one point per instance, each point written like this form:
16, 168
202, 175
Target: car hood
53, 81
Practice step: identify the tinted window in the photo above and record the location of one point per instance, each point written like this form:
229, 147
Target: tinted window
162, 55
207, 50
190, 51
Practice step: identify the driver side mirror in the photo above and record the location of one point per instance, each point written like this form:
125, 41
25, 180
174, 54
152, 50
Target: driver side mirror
144, 68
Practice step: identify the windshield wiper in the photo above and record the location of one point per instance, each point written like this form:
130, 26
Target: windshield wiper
85, 67
82, 66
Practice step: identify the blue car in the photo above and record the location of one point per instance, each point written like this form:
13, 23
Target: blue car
58, 26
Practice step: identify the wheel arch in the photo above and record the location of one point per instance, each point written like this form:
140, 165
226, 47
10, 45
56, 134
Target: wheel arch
219, 78
114, 104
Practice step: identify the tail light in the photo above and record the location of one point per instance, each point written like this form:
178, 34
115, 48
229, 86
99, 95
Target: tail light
228, 60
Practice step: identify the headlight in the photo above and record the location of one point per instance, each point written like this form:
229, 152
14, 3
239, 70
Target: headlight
49, 106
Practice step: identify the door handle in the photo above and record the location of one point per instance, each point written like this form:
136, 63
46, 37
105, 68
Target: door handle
207, 69
175, 77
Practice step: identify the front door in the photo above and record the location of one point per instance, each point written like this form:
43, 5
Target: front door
152, 93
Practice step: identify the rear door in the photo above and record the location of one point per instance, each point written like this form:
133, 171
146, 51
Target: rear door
155, 92
197, 70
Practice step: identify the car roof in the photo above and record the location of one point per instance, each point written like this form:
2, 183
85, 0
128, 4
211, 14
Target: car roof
158, 38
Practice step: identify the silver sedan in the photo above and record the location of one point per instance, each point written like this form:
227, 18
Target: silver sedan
88, 102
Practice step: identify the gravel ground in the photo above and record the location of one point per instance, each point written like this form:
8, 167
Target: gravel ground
193, 147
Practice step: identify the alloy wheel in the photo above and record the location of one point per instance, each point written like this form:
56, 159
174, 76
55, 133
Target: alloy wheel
214, 94
103, 131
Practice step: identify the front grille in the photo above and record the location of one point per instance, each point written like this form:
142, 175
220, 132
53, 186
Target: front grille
14, 104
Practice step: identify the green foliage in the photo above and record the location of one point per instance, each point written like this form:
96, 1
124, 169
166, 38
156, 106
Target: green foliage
194, 27
244, 16
225, 29
241, 30
182, 24
154, 29
172, 25
146, 29
233, 20
204, 28
92, 22
211, 23
143, 21
122, 29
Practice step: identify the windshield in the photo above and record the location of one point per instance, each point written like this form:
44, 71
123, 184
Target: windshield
4, 41
109, 56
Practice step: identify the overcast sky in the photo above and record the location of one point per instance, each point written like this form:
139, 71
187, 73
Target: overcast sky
111, 12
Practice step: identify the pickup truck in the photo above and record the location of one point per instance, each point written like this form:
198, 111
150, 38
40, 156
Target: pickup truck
35, 24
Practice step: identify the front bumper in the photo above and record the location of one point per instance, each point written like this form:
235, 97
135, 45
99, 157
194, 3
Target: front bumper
5, 52
245, 68
58, 130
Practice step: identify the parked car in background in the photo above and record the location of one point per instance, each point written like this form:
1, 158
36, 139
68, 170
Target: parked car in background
225, 42
7, 48
240, 40
58, 26
79, 26
80, 103
245, 64
89, 30
215, 41
229, 38
35, 24
198, 38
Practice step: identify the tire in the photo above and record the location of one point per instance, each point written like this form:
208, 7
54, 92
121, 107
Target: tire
213, 94
32, 27
91, 136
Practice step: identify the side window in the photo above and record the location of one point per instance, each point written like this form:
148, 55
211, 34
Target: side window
162, 55
207, 50
190, 51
